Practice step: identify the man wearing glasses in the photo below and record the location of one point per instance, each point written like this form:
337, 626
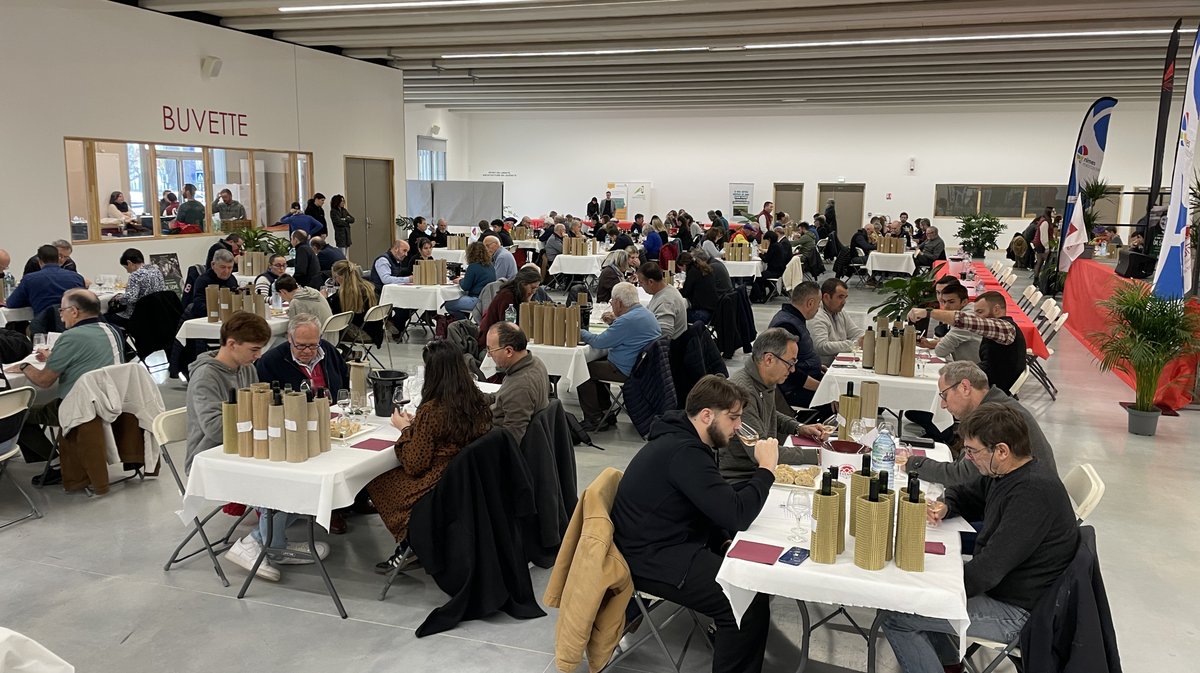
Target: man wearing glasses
1029, 537
525, 389
306, 358
87, 344
773, 358
963, 387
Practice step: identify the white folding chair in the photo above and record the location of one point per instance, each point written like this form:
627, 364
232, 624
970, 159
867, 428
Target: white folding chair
1023, 302
377, 314
1034, 298
1016, 386
1008, 281
170, 427
1086, 488
14, 407
1048, 305
331, 331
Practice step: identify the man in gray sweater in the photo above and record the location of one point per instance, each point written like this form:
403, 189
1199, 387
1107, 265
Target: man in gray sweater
832, 330
668, 306
772, 359
964, 388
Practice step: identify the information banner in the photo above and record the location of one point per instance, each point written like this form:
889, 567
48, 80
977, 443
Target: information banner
741, 195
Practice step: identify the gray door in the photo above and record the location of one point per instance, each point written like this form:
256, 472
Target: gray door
848, 205
789, 198
370, 191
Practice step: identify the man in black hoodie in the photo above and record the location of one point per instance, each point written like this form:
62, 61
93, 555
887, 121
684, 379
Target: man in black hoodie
674, 515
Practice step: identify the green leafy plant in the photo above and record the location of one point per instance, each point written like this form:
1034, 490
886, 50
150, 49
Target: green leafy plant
1091, 194
262, 240
1145, 332
1194, 230
979, 233
905, 294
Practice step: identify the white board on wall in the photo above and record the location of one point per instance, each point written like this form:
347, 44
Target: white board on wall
638, 199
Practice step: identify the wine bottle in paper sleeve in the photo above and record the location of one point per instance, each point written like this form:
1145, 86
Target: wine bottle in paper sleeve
860, 481
849, 410
870, 544
229, 423
894, 349
212, 299
868, 348
261, 399
295, 426
358, 384
882, 350
908, 352
314, 425
225, 305
323, 419
910, 526
823, 537
245, 426
276, 445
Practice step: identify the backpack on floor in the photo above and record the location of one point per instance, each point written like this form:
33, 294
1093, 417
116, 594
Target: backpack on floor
578, 434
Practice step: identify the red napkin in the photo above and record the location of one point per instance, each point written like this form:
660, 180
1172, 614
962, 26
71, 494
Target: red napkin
766, 554
936, 361
938, 548
918, 452
374, 444
798, 440
844, 358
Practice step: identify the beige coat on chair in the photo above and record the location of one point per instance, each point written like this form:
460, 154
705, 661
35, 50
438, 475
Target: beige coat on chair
590, 584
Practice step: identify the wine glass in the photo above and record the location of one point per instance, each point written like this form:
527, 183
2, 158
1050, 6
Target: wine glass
39, 341
747, 435
399, 399
343, 401
799, 505
858, 430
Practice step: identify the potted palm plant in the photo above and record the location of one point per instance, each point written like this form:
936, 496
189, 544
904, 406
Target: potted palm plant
905, 294
979, 233
1145, 332
1089, 196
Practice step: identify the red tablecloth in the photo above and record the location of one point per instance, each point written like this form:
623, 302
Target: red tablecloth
1033, 338
1088, 282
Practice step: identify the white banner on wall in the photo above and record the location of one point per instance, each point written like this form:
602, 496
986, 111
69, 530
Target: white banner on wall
638, 200
620, 198
741, 195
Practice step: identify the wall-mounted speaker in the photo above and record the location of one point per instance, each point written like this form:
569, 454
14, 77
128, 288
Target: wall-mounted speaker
210, 66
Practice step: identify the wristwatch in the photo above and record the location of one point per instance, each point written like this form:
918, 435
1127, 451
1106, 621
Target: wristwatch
23, 366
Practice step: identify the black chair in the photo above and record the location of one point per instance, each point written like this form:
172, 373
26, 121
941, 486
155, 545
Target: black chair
694, 355
154, 322
549, 454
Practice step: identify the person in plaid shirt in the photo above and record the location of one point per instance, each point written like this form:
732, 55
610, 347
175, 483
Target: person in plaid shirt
1002, 346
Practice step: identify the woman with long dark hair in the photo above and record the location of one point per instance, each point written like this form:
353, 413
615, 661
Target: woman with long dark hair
342, 219
119, 210
452, 414
699, 288
315, 208
517, 290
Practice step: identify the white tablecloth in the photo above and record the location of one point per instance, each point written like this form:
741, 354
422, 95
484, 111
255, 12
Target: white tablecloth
201, 328
8, 315
578, 265
315, 487
457, 256
569, 364
242, 279
19, 380
937, 592
895, 262
531, 244
918, 393
749, 269
419, 297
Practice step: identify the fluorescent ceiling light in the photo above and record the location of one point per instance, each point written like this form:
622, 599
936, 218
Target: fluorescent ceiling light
594, 52
965, 38
410, 4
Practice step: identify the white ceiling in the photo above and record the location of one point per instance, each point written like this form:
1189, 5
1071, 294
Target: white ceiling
504, 55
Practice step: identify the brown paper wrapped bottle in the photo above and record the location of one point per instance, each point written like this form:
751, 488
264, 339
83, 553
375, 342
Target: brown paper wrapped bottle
547, 324
323, 419
358, 384
261, 408
276, 444
212, 299
245, 426
868, 406
894, 344
823, 535
848, 410
314, 425
560, 326
225, 305
229, 423
882, 349
525, 318
295, 426
908, 353
868, 348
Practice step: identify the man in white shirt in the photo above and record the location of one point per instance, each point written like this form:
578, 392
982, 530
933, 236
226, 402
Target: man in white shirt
832, 330
668, 306
502, 260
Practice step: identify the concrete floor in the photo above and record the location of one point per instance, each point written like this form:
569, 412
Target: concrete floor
87, 581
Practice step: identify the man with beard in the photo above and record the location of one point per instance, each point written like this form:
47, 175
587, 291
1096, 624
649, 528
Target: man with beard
674, 515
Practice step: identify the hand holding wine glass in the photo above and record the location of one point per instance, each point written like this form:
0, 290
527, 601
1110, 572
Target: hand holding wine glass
766, 453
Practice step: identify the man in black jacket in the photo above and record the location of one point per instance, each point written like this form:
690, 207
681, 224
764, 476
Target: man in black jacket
673, 516
305, 358
231, 244
307, 266
1029, 538
807, 371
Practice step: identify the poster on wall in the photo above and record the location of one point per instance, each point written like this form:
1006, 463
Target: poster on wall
172, 273
741, 194
639, 199
620, 198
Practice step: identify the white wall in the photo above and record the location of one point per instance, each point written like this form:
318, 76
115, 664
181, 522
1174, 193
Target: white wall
97, 69
454, 130
560, 161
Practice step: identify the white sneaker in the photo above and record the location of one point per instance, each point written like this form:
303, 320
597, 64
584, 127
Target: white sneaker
302, 548
245, 552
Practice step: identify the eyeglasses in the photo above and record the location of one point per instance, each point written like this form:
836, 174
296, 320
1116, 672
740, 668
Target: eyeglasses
942, 393
791, 364
497, 348
305, 347
974, 451
279, 266
66, 308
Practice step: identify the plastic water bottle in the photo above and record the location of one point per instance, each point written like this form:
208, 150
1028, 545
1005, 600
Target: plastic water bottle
883, 451
277, 301
10, 284
510, 314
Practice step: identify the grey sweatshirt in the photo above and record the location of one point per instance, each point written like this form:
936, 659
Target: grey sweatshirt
736, 460
209, 383
961, 472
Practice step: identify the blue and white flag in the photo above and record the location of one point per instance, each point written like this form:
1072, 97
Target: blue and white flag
1085, 168
1173, 274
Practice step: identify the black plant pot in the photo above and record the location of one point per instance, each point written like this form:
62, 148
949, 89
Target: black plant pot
977, 253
